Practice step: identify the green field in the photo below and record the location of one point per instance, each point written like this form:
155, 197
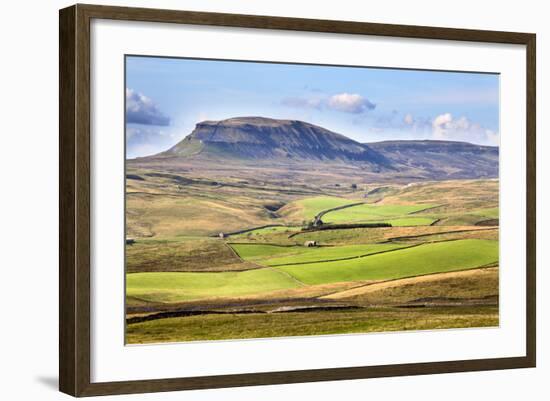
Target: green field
308, 208
440, 252
491, 213
271, 255
174, 287
367, 212
255, 252
429, 258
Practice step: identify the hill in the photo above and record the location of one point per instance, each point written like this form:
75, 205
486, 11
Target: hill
259, 138
297, 147
441, 159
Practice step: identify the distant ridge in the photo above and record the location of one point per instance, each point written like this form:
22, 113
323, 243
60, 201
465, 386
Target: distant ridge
264, 141
442, 159
260, 138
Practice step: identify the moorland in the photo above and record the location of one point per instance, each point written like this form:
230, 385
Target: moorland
252, 227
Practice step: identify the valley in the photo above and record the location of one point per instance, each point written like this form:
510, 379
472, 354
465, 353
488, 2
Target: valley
317, 235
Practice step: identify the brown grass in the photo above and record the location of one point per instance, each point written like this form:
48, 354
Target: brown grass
463, 285
262, 325
185, 255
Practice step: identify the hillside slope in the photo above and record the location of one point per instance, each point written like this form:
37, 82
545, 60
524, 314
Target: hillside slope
293, 145
441, 159
259, 138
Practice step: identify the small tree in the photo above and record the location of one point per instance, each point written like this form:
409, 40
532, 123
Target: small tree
353, 186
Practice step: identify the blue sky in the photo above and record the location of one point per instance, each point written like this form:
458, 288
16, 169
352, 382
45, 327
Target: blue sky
166, 97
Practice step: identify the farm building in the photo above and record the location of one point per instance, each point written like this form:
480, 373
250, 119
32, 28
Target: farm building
221, 235
309, 244
130, 241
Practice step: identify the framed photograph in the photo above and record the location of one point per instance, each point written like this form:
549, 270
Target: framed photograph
250, 200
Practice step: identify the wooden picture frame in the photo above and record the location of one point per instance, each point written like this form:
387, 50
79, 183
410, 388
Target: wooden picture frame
74, 199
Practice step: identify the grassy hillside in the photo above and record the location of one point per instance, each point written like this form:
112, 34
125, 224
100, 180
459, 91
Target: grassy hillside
262, 281
262, 325
423, 259
172, 287
414, 261
174, 254
408, 221
368, 212
152, 215
270, 255
306, 209
474, 284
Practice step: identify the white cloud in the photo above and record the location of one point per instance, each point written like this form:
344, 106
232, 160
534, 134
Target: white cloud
441, 125
344, 102
142, 110
350, 103
446, 127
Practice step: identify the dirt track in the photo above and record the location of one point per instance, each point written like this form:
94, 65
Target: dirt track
369, 288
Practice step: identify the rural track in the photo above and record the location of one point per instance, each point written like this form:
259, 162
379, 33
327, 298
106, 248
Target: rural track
227, 303
384, 283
